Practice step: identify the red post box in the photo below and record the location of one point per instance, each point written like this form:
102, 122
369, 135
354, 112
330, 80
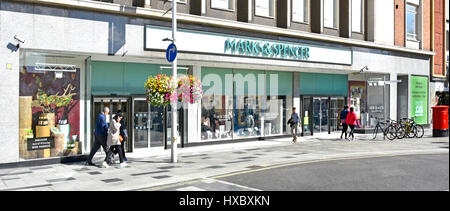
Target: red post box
440, 121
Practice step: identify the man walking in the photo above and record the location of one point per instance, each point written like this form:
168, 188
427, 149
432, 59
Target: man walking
101, 134
294, 124
344, 121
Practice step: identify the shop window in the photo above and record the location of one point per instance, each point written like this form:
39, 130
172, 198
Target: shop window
278, 105
217, 104
330, 13
49, 105
300, 11
265, 8
357, 17
222, 4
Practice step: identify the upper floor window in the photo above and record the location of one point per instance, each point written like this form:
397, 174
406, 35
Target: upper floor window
222, 4
412, 21
265, 8
330, 13
300, 11
357, 17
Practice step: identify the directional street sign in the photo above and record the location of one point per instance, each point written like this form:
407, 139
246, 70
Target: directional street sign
171, 52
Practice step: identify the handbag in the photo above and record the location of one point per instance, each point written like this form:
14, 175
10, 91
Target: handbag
120, 138
290, 120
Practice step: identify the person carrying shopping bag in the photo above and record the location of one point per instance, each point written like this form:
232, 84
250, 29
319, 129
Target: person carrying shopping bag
114, 141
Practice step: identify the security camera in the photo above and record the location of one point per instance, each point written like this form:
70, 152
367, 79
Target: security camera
365, 68
18, 40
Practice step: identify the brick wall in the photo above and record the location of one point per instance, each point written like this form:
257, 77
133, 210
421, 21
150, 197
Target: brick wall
399, 19
426, 29
439, 30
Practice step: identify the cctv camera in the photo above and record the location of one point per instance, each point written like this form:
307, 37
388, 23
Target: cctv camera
18, 40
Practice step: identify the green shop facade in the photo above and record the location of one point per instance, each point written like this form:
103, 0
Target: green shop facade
251, 85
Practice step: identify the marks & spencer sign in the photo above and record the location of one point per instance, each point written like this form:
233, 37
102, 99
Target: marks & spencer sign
197, 42
266, 49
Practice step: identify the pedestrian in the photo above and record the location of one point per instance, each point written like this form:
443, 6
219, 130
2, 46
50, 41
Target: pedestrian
113, 141
344, 121
101, 134
124, 134
351, 122
293, 121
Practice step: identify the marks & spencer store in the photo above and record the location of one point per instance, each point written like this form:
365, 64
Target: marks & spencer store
251, 81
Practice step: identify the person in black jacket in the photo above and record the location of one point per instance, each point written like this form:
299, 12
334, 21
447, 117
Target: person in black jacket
124, 134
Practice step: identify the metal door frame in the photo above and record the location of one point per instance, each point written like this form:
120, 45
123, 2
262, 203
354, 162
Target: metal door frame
133, 100
328, 97
102, 98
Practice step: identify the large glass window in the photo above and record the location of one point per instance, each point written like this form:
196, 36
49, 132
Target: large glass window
222, 4
411, 22
357, 15
265, 8
249, 88
278, 108
330, 12
49, 105
217, 104
300, 11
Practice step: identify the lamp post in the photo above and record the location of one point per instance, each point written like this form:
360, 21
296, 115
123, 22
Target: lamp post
174, 131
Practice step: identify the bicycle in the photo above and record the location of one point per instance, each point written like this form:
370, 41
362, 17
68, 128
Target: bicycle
413, 129
389, 131
400, 131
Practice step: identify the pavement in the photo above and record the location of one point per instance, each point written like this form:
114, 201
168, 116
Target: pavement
209, 164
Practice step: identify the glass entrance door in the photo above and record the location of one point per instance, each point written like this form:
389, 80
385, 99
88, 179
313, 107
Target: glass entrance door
307, 116
114, 105
336, 106
140, 123
320, 114
156, 126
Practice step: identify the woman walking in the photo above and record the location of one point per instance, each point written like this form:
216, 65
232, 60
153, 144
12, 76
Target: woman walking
114, 142
344, 121
351, 122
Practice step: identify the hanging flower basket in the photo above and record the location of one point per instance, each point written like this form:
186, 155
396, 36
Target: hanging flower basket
161, 91
189, 90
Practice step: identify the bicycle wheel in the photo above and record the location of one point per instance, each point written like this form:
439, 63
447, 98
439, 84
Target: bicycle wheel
375, 132
391, 133
420, 131
400, 132
411, 132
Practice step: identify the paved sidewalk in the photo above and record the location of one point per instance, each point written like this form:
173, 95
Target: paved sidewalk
208, 162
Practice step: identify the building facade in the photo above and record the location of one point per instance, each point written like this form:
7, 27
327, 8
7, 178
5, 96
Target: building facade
63, 61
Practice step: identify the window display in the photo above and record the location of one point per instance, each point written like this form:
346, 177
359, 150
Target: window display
358, 100
49, 107
248, 101
217, 104
278, 108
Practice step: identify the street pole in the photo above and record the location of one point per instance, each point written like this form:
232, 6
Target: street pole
174, 75
384, 97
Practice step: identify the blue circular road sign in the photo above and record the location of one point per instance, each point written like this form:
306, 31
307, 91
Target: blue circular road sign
171, 52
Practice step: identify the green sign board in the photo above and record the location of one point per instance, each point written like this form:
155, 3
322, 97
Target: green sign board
419, 99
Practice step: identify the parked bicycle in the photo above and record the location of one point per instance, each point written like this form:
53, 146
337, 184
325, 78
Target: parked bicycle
412, 129
389, 131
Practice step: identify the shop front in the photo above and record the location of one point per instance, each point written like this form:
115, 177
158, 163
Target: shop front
120, 87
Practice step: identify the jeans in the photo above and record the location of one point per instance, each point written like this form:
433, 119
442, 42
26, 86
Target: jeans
111, 150
352, 129
344, 130
294, 130
99, 141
